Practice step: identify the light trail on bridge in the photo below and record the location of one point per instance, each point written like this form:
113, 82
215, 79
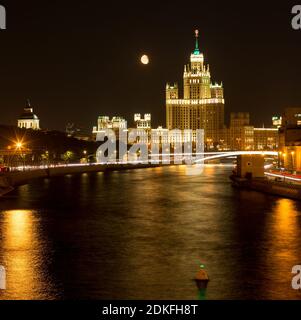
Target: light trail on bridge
212, 156
236, 153
283, 176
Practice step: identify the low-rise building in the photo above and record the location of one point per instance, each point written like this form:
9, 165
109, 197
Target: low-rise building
104, 122
290, 140
243, 136
143, 123
266, 138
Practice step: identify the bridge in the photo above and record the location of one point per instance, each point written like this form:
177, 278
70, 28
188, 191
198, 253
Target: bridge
166, 158
22, 174
220, 155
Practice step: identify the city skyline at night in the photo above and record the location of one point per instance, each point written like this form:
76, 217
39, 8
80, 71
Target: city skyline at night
72, 71
150, 157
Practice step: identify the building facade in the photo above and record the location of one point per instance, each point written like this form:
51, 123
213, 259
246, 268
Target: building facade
277, 121
143, 123
290, 140
104, 122
266, 139
202, 106
241, 135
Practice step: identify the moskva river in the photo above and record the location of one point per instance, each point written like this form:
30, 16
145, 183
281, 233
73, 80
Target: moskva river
142, 234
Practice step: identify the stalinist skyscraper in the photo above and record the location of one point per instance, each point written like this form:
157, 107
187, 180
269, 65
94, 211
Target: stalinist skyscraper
203, 103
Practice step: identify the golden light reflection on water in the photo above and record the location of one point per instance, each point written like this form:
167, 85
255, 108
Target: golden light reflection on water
283, 250
283, 210
22, 255
285, 224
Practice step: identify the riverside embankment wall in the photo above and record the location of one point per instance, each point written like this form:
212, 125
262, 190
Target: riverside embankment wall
13, 179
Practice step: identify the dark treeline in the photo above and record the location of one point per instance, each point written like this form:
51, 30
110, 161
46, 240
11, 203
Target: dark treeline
45, 146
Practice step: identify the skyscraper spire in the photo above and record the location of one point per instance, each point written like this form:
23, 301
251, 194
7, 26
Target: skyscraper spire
196, 50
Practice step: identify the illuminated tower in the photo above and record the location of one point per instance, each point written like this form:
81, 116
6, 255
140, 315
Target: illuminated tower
202, 106
172, 91
196, 75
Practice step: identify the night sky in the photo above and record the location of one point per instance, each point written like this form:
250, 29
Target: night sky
78, 60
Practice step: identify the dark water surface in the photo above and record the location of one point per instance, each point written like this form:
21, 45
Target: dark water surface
141, 234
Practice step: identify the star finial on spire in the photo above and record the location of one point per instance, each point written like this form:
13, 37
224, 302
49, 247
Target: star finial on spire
196, 50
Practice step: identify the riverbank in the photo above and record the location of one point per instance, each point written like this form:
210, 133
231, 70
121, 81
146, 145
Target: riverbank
277, 188
9, 181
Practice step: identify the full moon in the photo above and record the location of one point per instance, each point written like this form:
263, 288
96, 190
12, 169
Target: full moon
145, 59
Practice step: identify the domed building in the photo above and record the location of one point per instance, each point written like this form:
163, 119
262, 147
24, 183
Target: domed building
28, 120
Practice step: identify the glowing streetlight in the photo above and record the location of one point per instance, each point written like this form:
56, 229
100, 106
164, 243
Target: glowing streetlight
19, 145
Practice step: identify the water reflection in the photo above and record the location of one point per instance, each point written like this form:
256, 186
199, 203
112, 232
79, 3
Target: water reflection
284, 249
136, 234
23, 256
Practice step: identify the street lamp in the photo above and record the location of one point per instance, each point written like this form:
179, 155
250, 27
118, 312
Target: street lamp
85, 159
19, 145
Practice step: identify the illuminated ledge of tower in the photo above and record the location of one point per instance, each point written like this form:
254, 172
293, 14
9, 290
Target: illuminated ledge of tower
216, 85
197, 74
195, 101
197, 58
